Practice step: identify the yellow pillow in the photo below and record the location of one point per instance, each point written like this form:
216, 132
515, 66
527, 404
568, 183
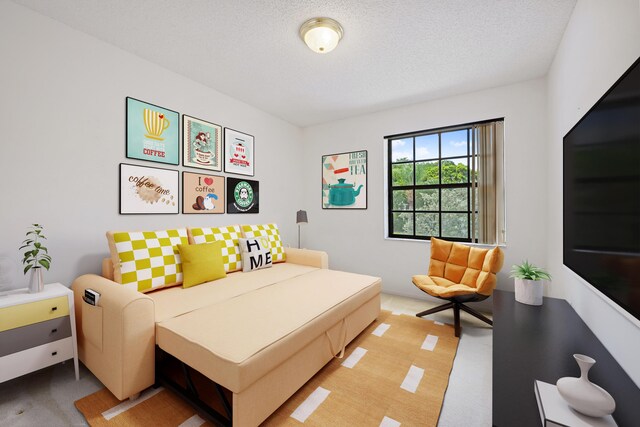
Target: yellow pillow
201, 263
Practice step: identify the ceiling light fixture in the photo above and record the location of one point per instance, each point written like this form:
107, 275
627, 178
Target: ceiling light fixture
321, 34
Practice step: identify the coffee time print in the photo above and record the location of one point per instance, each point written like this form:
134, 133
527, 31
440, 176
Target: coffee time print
202, 194
152, 132
238, 152
201, 144
344, 180
242, 196
145, 190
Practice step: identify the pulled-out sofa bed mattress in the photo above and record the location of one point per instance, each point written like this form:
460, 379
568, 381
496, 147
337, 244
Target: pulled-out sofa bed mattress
243, 333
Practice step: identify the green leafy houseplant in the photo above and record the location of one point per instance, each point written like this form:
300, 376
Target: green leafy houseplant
528, 271
36, 255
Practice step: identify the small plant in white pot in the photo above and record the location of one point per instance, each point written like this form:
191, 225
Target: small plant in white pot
529, 280
36, 257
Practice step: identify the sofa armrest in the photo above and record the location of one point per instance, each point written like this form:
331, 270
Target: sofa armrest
308, 257
116, 338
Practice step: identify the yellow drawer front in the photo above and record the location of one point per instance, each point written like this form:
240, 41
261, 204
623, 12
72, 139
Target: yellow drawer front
33, 312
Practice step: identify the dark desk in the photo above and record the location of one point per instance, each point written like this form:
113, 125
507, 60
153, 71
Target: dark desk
537, 343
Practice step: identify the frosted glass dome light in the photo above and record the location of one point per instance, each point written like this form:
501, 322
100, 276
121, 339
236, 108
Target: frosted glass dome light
321, 34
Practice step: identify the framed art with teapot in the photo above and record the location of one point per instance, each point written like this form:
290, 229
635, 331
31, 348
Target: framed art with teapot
344, 180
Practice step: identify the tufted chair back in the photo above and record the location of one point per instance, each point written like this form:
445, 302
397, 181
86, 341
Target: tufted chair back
471, 266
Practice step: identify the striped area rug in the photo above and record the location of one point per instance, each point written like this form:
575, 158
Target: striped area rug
395, 373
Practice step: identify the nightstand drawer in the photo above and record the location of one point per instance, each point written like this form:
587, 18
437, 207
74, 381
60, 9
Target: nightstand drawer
18, 339
34, 312
30, 360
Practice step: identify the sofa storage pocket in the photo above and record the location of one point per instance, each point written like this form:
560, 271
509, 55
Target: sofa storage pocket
92, 324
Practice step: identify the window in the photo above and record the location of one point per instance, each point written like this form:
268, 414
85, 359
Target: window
447, 183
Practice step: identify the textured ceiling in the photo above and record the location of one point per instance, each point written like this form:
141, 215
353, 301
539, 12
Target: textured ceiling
393, 53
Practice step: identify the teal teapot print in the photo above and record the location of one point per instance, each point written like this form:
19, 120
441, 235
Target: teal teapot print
342, 194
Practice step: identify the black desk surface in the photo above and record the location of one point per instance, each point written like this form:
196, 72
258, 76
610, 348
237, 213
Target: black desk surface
537, 343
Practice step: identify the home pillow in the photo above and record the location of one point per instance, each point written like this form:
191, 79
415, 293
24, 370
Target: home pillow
271, 232
229, 235
147, 260
256, 253
201, 263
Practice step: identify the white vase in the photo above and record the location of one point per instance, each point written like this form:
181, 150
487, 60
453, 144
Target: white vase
36, 284
583, 395
529, 291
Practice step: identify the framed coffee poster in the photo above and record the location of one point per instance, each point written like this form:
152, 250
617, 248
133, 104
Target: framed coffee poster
145, 190
201, 144
344, 180
238, 152
152, 133
242, 196
202, 194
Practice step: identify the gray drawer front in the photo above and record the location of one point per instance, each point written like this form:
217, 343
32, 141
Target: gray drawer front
25, 337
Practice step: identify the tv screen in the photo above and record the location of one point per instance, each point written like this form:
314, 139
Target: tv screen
601, 176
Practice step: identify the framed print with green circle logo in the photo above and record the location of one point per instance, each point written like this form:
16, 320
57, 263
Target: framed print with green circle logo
242, 196
152, 133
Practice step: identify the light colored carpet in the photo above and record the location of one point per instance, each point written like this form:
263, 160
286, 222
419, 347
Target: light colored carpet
395, 372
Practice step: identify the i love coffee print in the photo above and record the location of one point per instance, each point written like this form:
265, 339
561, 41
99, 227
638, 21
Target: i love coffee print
152, 132
202, 194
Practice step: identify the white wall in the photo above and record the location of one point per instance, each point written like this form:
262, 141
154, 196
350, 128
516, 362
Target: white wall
601, 41
355, 239
62, 112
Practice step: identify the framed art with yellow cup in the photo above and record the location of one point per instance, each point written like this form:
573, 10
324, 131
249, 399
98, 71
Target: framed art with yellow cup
201, 144
153, 132
202, 194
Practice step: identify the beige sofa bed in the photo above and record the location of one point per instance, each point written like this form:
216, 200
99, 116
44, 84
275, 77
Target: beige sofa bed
260, 334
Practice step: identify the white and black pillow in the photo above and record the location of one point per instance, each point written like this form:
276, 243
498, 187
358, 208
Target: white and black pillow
256, 253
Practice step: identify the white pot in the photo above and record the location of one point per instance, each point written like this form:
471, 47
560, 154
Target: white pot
529, 291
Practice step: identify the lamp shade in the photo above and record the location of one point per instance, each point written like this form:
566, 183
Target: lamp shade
321, 34
301, 216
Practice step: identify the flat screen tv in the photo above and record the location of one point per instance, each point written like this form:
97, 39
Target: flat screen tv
601, 182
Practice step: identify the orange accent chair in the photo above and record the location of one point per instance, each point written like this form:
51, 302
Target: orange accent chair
460, 274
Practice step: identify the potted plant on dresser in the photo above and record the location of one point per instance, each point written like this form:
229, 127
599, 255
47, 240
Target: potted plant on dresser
528, 282
36, 257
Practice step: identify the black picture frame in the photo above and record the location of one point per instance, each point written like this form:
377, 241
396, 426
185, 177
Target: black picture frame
137, 142
239, 201
132, 202
203, 187
234, 141
353, 163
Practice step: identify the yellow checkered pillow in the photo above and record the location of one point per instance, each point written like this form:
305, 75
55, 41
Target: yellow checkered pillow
147, 260
271, 232
230, 250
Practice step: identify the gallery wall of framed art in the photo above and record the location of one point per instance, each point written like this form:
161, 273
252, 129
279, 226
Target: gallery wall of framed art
153, 135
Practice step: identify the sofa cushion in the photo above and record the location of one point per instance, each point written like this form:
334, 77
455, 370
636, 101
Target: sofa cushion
256, 254
147, 260
229, 235
177, 301
271, 232
201, 263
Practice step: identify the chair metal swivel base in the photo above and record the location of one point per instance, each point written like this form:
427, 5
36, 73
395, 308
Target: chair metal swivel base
457, 303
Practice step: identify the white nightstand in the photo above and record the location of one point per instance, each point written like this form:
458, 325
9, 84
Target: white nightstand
36, 330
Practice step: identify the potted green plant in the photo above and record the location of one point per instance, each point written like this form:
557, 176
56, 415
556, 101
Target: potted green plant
36, 257
528, 282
